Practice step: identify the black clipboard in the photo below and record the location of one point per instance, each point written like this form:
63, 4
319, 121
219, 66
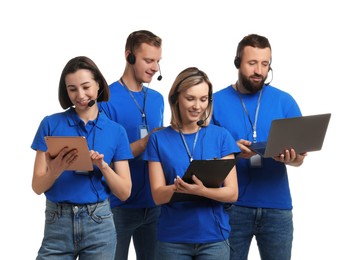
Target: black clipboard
83, 163
211, 172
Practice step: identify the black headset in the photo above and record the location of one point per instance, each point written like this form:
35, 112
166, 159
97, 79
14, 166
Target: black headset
131, 58
174, 96
237, 63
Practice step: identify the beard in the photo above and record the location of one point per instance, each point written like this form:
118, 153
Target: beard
251, 86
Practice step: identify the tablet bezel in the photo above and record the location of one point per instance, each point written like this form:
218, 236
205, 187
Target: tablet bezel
83, 162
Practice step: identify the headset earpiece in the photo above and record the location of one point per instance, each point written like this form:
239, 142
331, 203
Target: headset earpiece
131, 58
237, 62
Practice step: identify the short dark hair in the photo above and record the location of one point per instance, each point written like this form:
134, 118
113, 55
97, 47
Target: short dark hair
75, 64
253, 40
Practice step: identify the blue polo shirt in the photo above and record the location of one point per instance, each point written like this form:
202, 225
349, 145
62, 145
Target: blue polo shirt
125, 108
102, 135
190, 222
266, 186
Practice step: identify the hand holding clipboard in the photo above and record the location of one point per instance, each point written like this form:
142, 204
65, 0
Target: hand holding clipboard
211, 172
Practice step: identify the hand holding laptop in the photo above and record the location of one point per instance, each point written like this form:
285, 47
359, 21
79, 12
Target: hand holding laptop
291, 157
303, 134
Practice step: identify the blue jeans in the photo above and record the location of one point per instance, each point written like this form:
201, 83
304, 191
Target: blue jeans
183, 251
84, 231
273, 229
141, 223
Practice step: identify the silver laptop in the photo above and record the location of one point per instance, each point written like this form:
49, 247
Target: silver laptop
304, 134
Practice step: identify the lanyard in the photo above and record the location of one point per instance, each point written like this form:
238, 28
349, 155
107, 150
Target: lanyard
135, 101
254, 126
190, 155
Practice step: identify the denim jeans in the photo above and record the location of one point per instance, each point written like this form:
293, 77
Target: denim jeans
188, 251
141, 223
84, 231
273, 229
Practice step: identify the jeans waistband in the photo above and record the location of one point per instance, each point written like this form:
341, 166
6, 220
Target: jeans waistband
68, 208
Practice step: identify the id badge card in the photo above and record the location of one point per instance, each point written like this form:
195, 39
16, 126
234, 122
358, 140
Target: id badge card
143, 130
255, 161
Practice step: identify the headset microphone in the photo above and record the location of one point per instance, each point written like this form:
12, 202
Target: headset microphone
270, 70
200, 122
92, 102
160, 74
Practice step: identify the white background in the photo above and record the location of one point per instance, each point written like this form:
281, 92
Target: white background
316, 58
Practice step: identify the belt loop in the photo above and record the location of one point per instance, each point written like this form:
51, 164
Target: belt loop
92, 207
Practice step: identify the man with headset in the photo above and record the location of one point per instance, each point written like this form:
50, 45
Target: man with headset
140, 110
246, 109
